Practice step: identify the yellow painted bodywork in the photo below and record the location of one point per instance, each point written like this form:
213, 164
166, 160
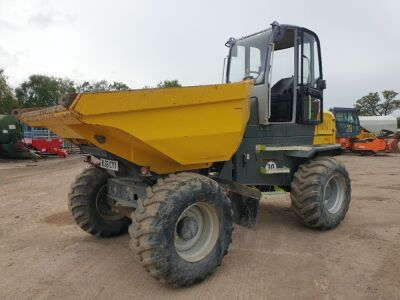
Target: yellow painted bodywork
168, 130
365, 135
325, 132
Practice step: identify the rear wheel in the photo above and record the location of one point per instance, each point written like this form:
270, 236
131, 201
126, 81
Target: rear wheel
90, 208
182, 230
321, 193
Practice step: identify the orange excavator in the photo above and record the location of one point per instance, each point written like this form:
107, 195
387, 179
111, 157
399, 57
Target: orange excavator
353, 137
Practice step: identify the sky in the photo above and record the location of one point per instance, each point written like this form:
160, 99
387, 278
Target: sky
144, 42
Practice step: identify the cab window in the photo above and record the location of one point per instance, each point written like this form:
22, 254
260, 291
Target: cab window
282, 78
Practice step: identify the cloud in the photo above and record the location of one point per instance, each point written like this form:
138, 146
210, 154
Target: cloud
11, 59
7, 59
6, 25
48, 18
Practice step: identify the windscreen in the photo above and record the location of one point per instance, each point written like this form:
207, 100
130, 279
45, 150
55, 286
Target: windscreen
247, 58
347, 123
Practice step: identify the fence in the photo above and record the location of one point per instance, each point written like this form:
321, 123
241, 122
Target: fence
39, 134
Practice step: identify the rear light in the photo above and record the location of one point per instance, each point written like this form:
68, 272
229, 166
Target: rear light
145, 171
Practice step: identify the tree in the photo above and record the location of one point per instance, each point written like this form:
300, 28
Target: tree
169, 84
390, 104
373, 105
7, 99
42, 90
118, 86
101, 86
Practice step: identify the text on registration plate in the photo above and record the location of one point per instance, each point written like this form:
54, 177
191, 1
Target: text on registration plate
109, 164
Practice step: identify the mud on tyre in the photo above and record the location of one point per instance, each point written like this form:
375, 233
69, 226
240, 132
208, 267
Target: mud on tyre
182, 230
321, 193
89, 206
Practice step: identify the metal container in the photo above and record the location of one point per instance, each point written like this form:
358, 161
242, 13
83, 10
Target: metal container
10, 129
11, 145
170, 130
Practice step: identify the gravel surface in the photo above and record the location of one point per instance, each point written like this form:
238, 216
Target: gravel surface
43, 254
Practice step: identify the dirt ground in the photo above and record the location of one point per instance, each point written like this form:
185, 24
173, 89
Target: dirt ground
43, 254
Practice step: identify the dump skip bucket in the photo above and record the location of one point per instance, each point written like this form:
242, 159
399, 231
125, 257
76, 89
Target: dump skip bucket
169, 130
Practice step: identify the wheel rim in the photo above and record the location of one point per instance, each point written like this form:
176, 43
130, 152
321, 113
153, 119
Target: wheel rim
334, 193
105, 209
196, 232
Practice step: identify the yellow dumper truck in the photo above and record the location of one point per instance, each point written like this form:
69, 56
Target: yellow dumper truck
177, 167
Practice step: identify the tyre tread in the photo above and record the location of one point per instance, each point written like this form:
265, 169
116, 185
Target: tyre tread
78, 204
305, 192
152, 256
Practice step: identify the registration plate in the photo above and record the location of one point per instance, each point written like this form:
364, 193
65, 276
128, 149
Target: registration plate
109, 164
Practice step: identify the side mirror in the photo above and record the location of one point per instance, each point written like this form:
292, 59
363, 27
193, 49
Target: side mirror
231, 44
224, 69
321, 84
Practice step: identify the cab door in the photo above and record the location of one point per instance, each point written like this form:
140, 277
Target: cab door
310, 79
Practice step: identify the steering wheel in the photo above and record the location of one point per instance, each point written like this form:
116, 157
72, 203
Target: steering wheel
255, 72
248, 76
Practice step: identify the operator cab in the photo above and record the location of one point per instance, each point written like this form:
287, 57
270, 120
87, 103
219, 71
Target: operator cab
347, 122
285, 63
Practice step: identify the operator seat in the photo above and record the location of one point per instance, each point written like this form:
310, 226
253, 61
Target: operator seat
282, 100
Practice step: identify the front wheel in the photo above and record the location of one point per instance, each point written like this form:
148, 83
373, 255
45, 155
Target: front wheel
182, 230
90, 207
321, 193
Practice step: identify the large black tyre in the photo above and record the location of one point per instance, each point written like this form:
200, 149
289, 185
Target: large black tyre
89, 208
321, 193
162, 225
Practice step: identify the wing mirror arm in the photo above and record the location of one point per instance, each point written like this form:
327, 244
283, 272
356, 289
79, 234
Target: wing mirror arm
321, 84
